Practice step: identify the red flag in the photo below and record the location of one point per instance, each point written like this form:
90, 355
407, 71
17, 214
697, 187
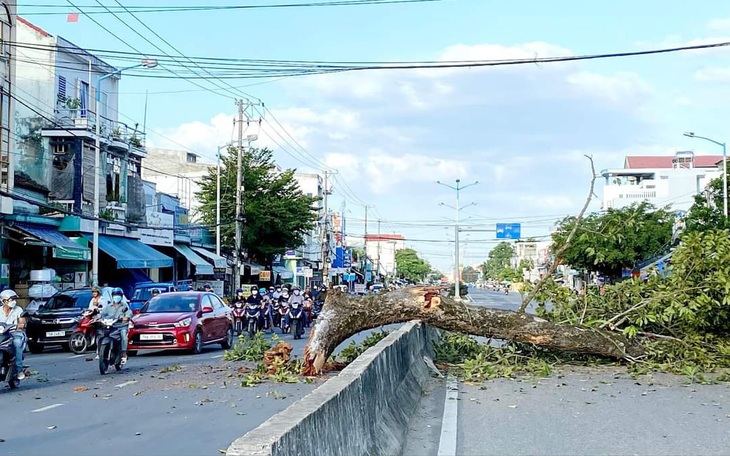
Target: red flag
72, 17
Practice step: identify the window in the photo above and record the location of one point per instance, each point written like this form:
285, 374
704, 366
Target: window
61, 87
191, 158
217, 303
83, 98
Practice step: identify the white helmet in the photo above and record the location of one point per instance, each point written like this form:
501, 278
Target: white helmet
8, 294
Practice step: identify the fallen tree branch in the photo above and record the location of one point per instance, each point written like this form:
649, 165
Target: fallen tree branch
343, 316
559, 253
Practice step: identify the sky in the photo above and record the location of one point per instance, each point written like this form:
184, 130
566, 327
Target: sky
522, 132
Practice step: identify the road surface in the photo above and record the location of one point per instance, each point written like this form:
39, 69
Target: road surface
577, 411
160, 403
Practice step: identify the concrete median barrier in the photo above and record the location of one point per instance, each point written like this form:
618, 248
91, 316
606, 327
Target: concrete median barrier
363, 411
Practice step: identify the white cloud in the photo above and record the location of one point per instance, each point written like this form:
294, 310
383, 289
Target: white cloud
622, 87
721, 25
713, 74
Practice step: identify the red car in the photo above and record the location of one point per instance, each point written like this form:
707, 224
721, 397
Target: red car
185, 320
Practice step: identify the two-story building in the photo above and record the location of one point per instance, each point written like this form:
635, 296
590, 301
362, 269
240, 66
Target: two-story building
660, 180
537, 253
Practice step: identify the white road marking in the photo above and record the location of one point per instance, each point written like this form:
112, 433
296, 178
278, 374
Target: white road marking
122, 385
216, 356
48, 407
449, 421
76, 356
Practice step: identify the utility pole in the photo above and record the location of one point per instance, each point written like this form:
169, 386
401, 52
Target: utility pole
457, 275
325, 233
365, 240
239, 200
379, 242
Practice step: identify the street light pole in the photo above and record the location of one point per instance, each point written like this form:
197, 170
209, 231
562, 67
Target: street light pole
146, 63
691, 134
457, 276
218, 202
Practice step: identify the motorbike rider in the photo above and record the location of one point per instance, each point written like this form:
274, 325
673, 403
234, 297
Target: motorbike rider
119, 311
266, 309
277, 292
297, 298
239, 297
97, 301
12, 314
253, 302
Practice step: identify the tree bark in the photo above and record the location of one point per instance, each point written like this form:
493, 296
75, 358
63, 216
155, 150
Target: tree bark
343, 316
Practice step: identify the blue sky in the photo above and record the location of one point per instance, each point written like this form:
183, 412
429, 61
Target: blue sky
521, 131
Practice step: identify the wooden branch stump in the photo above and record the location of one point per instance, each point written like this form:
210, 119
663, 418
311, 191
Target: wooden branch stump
343, 316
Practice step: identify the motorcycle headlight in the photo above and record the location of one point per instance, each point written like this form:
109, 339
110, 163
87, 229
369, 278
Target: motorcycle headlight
184, 323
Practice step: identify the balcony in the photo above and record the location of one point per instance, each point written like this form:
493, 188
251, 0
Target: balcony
82, 123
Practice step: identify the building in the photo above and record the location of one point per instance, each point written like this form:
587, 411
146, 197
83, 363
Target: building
312, 185
537, 253
177, 172
660, 180
381, 248
7, 104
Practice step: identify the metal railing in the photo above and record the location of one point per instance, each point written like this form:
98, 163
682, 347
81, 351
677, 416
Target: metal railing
110, 129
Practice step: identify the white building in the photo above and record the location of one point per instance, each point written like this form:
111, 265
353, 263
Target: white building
536, 252
178, 173
8, 27
660, 180
381, 249
312, 185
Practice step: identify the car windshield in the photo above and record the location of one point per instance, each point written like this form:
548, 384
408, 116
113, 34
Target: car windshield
68, 301
142, 294
172, 303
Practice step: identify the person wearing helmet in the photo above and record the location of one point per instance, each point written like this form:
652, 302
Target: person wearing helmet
238, 297
12, 314
297, 298
97, 301
155, 293
119, 310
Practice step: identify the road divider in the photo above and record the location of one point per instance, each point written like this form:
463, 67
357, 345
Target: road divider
364, 410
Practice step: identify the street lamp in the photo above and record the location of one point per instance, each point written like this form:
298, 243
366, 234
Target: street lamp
146, 63
691, 134
458, 188
218, 200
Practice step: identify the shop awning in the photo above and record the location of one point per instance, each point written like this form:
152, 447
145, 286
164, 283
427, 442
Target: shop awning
218, 261
255, 268
63, 247
202, 267
131, 254
283, 272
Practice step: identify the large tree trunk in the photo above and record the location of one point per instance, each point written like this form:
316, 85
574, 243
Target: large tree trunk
344, 316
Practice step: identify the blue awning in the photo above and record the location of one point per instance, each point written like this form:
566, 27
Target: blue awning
283, 272
202, 267
131, 254
218, 261
63, 247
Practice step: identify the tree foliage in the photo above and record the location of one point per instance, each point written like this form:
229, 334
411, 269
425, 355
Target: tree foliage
410, 266
277, 215
608, 242
469, 274
498, 262
707, 211
683, 318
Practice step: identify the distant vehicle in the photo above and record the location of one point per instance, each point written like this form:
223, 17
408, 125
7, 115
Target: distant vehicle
56, 320
182, 320
143, 293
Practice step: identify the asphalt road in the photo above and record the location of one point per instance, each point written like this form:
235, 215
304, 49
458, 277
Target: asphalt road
195, 408
576, 411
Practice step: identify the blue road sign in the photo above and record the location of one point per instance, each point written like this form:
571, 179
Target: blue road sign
348, 277
508, 230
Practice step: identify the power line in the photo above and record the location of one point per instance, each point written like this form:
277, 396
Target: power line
200, 8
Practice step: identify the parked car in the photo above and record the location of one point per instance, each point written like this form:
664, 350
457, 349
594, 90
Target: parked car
55, 321
143, 292
183, 320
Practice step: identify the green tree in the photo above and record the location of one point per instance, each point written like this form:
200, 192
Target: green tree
707, 211
498, 261
607, 243
410, 266
277, 215
469, 274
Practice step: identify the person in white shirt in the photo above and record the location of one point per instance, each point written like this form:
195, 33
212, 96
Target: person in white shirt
12, 314
97, 301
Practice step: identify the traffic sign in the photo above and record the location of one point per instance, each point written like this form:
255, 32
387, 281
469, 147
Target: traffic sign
508, 230
348, 277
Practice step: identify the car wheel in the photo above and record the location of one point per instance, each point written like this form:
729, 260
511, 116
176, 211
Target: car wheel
197, 342
36, 349
228, 341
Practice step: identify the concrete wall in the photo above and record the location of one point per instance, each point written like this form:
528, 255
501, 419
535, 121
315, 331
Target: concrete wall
363, 411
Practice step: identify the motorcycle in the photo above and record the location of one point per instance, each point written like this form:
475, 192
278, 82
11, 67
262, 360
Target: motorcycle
295, 318
506, 291
253, 311
308, 310
84, 336
238, 314
283, 310
110, 345
8, 371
